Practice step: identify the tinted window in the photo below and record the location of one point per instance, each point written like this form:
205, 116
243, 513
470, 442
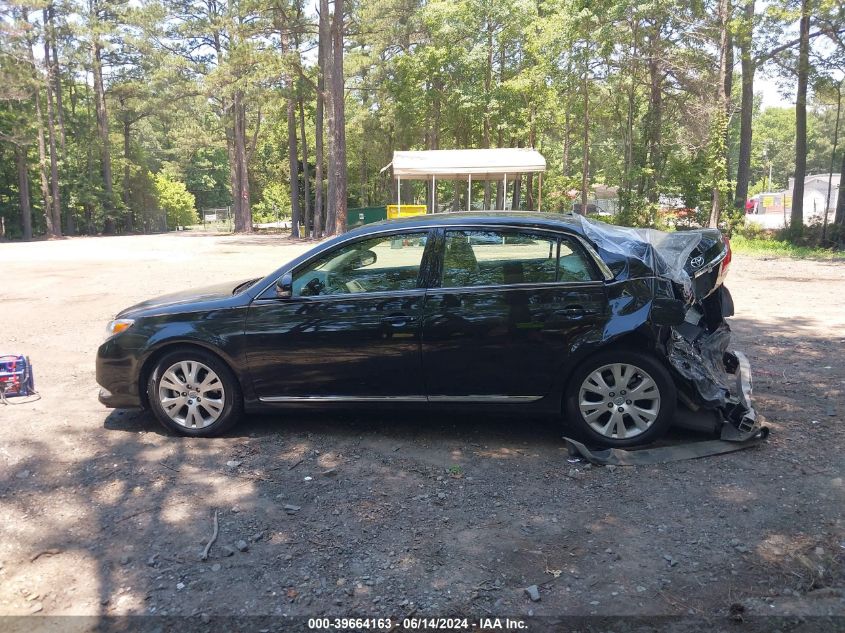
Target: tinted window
381, 264
486, 258
573, 266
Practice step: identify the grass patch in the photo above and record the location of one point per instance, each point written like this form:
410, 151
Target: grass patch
777, 248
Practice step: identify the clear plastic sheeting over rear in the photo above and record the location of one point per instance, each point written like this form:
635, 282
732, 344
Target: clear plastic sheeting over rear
664, 253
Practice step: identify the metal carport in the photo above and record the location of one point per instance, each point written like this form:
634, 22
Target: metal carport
458, 164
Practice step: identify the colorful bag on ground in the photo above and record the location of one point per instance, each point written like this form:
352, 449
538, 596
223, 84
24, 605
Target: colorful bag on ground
16, 377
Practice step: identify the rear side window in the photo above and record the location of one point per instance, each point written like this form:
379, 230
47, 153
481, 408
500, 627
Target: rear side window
507, 257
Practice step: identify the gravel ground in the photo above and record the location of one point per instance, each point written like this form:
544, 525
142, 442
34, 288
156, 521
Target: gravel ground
389, 514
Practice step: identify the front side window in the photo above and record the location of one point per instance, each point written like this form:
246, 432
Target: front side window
381, 264
507, 257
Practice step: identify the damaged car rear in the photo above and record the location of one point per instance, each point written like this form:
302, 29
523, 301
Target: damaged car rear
621, 332
686, 324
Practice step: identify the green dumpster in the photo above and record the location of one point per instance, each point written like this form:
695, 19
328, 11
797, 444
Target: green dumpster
365, 215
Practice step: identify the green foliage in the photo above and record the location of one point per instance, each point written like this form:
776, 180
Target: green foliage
767, 247
629, 87
717, 160
176, 201
274, 204
750, 231
773, 144
637, 211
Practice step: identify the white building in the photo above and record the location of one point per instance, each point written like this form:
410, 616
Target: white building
815, 193
771, 210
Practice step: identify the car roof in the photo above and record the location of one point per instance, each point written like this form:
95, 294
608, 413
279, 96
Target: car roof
530, 219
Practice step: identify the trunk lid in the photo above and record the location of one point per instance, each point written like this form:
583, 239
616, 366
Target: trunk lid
708, 262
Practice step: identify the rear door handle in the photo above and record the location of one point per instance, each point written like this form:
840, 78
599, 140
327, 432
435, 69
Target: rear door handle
577, 311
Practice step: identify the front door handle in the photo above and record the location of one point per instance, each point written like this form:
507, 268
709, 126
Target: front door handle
398, 320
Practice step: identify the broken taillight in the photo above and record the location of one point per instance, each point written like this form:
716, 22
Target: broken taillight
726, 262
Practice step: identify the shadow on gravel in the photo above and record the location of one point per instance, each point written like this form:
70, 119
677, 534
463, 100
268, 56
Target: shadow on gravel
535, 430
396, 424
385, 513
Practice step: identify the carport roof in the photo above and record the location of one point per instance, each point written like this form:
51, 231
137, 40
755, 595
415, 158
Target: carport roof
454, 164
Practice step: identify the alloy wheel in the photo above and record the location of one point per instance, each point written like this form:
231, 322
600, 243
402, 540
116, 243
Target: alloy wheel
619, 401
191, 394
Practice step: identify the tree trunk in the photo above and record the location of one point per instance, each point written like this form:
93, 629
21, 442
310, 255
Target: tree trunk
585, 167
319, 211
488, 83
567, 138
309, 220
234, 180
23, 189
832, 158
243, 214
293, 163
56, 86
434, 140
631, 109
338, 157
325, 34
567, 122
722, 101
103, 125
839, 218
55, 192
42, 168
729, 82
293, 152
90, 227
796, 228
42, 150
743, 168
130, 226
532, 139
57, 77
500, 185
654, 129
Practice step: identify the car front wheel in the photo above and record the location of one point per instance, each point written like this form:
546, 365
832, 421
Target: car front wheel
620, 398
194, 393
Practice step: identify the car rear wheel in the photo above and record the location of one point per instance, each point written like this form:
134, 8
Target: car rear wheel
620, 398
194, 393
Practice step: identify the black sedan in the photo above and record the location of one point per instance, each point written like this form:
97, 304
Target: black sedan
609, 328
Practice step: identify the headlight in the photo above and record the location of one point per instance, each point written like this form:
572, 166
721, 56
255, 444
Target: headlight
117, 326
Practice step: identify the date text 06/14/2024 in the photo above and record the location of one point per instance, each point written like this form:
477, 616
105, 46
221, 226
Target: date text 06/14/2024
417, 624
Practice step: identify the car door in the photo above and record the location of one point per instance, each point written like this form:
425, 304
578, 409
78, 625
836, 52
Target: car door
350, 329
511, 302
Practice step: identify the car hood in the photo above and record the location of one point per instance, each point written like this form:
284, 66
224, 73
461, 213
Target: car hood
183, 299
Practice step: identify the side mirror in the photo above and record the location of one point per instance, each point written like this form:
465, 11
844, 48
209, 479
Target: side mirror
361, 259
368, 258
284, 286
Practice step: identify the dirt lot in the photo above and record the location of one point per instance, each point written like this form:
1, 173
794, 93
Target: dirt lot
384, 515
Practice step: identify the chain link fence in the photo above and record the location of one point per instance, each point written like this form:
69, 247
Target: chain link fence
217, 219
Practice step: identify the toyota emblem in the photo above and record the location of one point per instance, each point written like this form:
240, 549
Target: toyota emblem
696, 262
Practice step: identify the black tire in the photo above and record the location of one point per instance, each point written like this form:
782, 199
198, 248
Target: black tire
646, 365
232, 408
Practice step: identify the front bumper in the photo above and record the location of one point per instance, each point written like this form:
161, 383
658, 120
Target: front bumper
117, 401
118, 376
